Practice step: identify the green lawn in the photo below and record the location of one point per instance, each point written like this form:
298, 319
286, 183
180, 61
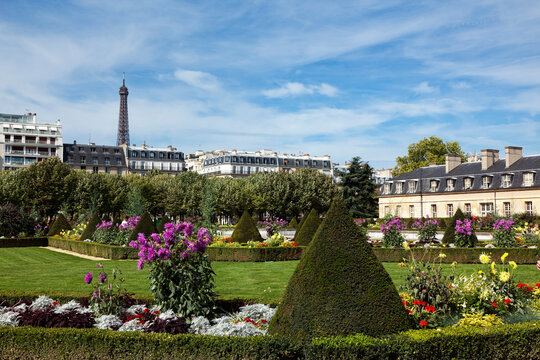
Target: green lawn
44, 271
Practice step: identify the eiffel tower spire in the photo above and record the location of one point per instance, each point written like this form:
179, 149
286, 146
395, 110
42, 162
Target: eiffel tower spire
122, 136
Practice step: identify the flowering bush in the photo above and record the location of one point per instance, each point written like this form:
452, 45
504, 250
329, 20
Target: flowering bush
503, 234
273, 224
181, 278
224, 242
465, 236
425, 316
427, 229
40, 230
74, 233
117, 234
528, 234
362, 222
391, 230
107, 295
275, 240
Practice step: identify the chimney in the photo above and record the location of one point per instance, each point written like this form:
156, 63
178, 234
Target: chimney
452, 161
513, 154
489, 156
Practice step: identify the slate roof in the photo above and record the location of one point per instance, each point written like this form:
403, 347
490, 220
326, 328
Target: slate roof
471, 170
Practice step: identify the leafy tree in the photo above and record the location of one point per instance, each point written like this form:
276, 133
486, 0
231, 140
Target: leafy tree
359, 189
426, 151
312, 190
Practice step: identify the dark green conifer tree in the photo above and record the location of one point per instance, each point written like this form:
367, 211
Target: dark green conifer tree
359, 189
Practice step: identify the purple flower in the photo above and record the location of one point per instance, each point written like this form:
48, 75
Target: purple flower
169, 226
88, 278
184, 254
140, 264
99, 265
163, 253
102, 278
156, 238
134, 244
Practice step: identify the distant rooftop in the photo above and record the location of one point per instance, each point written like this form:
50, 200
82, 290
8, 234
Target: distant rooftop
26, 118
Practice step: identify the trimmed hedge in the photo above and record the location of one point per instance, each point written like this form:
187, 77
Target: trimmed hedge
246, 230
339, 287
90, 228
449, 234
255, 254
517, 341
309, 228
59, 225
293, 224
94, 249
145, 226
24, 242
460, 255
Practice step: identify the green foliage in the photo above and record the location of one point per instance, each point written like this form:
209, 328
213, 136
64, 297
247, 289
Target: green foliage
293, 224
24, 242
302, 220
309, 228
164, 220
426, 151
246, 230
94, 249
449, 233
13, 220
90, 228
359, 189
59, 225
136, 202
145, 226
254, 254
339, 287
479, 320
108, 291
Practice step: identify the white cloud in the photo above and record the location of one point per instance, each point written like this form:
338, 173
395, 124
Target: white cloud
460, 85
424, 88
198, 79
297, 89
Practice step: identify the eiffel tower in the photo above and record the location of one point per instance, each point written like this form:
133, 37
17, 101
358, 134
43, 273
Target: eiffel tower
122, 136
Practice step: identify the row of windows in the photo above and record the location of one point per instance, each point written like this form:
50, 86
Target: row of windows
95, 170
528, 180
107, 160
264, 161
485, 209
155, 154
94, 150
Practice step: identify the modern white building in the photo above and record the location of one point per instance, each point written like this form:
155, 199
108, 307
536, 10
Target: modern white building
24, 141
235, 163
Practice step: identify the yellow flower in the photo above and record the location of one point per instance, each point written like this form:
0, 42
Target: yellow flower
406, 245
401, 264
442, 256
512, 264
504, 276
454, 264
493, 271
504, 257
484, 258
480, 272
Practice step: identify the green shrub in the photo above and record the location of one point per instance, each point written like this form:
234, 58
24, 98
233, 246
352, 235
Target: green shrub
305, 234
145, 226
254, 254
304, 217
339, 287
293, 224
59, 225
13, 221
94, 249
90, 228
164, 220
449, 233
24, 242
246, 230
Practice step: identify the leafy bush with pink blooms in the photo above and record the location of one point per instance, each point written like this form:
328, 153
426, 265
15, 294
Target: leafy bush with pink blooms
391, 230
115, 234
464, 234
181, 277
503, 233
273, 224
427, 229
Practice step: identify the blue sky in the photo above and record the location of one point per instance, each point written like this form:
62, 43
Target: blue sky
358, 78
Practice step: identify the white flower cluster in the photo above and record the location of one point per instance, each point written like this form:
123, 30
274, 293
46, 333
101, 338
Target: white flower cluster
72, 306
9, 318
41, 303
108, 322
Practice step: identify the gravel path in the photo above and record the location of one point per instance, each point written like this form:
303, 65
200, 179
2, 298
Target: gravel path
73, 253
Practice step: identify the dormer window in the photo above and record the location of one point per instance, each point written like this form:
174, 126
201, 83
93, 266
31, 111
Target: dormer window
399, 188
433, 185
486, 182
387, 187
528, 179
450, 184
506, 180
467, 183
412, 186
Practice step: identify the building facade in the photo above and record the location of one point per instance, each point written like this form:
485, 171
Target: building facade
142, 159
96, 158
223, 163
489, 186
24, 141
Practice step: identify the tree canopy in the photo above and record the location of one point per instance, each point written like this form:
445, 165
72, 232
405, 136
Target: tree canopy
426, 151
358, 188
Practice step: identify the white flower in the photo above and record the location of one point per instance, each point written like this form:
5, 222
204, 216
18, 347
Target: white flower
136, 309
134, 325
166, 315
199, 325
41, 303
256, 312
9, 318
108, 322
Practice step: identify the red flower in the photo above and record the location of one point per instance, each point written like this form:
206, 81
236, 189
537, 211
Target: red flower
146, 310
520, 285
538, 285
423, 323
263, 321
430, 309
405, 303
156, 312
507, 301
55, 303
410, 311
494, 304
129, 318
451, 285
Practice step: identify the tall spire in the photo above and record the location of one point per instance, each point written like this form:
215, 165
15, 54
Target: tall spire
122, 136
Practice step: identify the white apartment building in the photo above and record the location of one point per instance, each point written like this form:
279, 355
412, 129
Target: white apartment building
235, 163
24, 141
141, 159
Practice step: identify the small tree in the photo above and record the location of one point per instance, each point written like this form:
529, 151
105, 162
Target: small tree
449, 234
59, 225
145, 226
246, 230
90, 228
358, 188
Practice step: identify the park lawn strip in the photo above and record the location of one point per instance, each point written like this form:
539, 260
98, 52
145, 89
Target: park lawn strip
43, 271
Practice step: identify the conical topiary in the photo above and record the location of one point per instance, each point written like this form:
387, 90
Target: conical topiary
59, 225
90, 228
304, 217
305, 234
246, 230
339, 287
164, 220
145, 226
293, 224
449, 234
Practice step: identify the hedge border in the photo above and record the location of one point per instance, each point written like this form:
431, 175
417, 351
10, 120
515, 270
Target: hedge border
255, 254
24, 242
110, 252
517, 341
